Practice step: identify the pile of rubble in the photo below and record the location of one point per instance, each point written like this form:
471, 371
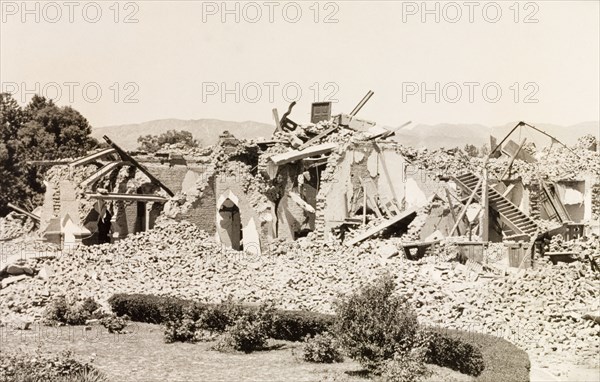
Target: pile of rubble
540, 310
176, 259
14, 225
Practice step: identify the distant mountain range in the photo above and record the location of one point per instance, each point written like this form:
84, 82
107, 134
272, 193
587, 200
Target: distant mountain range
419, 135
207, 131
448, 135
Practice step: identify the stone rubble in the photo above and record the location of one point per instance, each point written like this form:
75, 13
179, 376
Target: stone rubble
539, 309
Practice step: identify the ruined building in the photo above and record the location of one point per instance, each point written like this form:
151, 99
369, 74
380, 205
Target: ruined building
336, 178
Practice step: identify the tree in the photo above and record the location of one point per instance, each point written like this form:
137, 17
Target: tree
40, 131
471, 150
153, 143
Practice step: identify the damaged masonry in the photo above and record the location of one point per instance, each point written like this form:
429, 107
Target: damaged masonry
506, 244
337, 178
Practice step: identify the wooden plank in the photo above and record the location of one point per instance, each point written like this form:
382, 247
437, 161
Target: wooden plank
387, 223
452, 209
484, 216
555, 203
107, 168
513, 149
508, 190
512, 159
22, 211
48, 162
127, 158
362, 103
318, 137
464, 210
384, 133
277, 121
93, 157
371, 194
294, 155
128, 197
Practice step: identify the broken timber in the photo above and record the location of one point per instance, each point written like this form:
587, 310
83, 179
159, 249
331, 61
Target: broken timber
22, 211
93, 157
128, 197
127, 158
387, 223
512, 159
319, 136
294, 155
107, 168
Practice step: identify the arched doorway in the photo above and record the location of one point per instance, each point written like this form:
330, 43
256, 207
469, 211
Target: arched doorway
230, 225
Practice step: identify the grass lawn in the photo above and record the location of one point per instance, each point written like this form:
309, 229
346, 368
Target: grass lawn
141, 355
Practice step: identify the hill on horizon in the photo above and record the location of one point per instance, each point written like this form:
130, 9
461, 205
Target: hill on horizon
458, 135
207, 131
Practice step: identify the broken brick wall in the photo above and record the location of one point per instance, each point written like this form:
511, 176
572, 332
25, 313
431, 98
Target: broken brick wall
173, 176
380, 169
202, 210
234, 182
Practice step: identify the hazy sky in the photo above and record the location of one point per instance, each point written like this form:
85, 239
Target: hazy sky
192, 59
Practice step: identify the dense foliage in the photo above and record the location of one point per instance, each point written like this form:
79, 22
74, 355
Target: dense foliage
380, 331
18, 366
181, 138
61, 311
322, 348
192, 321
453, 353
373, 325
39, 131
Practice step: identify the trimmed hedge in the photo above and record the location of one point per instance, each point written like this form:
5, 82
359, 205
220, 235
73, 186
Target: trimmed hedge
454, 353
443, 349
287, 325
294, 325
504, 361
146, 307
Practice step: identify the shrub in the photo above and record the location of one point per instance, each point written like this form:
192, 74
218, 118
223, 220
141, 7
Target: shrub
56, 311
184, 327
247, 335
224, 343
114, 324
146, 307
321, 348
19, 366
453, 353
200, 322
291, 325
249, 332
373, 325
406, 367
61, 311
286, 325
89, 305
217, 318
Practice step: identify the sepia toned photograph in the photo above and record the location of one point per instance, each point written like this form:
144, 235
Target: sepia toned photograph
303, 191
